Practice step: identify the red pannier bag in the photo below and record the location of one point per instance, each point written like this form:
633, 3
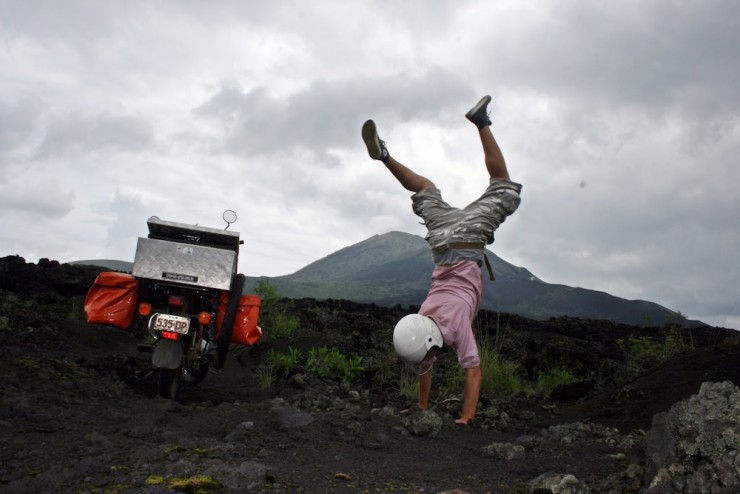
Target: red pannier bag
112, 300
246, 331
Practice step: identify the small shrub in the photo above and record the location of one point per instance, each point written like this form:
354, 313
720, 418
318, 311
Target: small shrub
351, 368
382, 368
408, 384
284, 363
274, 319
678, 339
199, 484
318, 361
75, 309
501, 377
332, 363
269, 294
282, 325
644, 352
264, 376
173, 448
553, 378
154, 480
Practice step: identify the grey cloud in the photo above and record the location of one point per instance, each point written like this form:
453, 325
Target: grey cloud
130, 212
329, 113
54, 20
39, 197
651, 54
675, 252
18, 122
74, 133
630, 97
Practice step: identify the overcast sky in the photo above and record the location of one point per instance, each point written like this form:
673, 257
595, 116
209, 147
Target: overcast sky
620, 118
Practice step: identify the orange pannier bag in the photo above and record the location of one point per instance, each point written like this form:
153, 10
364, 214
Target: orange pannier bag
112, 300
246, 331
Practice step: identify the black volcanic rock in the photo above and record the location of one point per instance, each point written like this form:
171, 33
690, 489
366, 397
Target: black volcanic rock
79, 407
45, 277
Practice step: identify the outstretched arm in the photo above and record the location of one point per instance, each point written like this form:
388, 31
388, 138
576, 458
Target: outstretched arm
425, 388
472, 393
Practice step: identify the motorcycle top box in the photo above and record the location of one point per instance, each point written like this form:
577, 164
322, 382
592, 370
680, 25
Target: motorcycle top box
187, 254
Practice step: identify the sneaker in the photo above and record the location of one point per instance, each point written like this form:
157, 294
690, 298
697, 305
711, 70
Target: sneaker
375, 147
479, 113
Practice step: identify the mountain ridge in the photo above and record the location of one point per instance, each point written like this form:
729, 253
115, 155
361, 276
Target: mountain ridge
395, 268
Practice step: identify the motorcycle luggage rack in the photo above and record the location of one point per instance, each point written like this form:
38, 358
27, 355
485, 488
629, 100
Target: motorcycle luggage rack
192, 234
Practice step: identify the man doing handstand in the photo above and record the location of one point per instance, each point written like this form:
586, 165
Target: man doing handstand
458, 238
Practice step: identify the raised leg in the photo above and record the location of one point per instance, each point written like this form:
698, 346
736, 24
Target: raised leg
493, 157
410, 180
377, 150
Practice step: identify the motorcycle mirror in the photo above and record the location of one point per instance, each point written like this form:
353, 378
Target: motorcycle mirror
229, 217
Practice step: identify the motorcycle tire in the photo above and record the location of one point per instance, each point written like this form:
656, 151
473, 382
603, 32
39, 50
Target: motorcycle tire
227, 326
169, 382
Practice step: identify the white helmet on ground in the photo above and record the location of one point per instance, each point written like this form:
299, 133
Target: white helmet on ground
414, 335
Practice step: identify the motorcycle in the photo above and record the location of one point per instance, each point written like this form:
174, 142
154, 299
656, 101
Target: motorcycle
187, 297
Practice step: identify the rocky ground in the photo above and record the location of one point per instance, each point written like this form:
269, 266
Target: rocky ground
79, 411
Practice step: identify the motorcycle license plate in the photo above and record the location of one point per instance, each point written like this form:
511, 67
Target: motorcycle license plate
175, 324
